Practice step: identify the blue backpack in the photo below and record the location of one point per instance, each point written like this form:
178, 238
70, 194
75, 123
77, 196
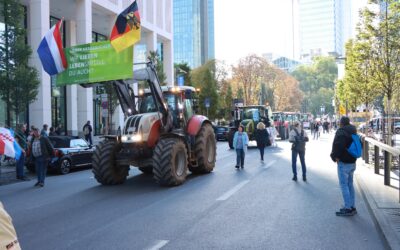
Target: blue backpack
355, 148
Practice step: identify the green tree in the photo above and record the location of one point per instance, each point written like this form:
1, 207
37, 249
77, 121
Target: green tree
155, 57
183, 69
240, 93
203, 77
18, 81
320, 75
382, 29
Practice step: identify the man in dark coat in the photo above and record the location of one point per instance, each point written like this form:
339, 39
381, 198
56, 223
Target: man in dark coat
87, 131
41, 151
346, 165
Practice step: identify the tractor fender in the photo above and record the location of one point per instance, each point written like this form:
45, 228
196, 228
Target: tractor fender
195, 123
154, 134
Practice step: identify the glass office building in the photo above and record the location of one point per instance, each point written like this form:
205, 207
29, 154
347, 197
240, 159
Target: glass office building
193, 31
325, 26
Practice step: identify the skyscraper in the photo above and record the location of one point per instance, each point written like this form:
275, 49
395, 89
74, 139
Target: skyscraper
325, 26
193, 31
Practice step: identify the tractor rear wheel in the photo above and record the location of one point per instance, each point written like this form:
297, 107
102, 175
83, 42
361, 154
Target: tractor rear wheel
170, 162
104, 168
205, 150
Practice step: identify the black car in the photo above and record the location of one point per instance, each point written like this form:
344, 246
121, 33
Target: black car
221, 133
69, 152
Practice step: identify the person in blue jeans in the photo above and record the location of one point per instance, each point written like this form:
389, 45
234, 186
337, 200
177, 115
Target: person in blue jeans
20, 137
346, 165
298, 148
41, 151
240, 143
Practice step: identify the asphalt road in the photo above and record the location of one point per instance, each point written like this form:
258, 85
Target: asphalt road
259, 207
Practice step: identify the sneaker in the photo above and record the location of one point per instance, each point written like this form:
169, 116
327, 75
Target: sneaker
237, 167
354, 210
304, 178
41, 184
345, 212
294, 178
242, 167
36, 184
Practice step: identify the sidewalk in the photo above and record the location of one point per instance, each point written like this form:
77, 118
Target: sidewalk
383, 202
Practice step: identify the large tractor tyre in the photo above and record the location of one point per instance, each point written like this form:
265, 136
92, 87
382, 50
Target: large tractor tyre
104, 168
205, 150
146, 166
230, 138
170, 162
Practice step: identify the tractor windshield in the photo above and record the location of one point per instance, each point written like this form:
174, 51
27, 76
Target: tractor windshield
252, 113
146, 103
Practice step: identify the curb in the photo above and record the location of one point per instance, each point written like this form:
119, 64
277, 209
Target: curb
388, 234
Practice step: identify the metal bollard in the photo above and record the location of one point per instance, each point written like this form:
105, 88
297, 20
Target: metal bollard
376, 157
366, 153
387, 168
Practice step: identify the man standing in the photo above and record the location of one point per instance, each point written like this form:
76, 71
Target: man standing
20, 137
298, 137
346, 165
42, 150
87, 131
44, 130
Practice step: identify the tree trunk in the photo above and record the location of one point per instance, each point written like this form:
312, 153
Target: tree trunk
389, 122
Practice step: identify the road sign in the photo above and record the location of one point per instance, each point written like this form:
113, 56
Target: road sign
181, 80
207, 102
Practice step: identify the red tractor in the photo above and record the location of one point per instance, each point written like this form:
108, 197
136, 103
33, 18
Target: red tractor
162, 135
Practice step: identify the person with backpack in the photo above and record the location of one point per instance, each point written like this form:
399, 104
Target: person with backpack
298, 137
262, 139
346, 163
87, 131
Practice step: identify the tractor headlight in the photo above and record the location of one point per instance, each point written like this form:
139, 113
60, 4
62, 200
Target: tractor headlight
131, 138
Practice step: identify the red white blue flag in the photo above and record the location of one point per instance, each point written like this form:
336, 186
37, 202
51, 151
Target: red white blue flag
6, 143
51, 52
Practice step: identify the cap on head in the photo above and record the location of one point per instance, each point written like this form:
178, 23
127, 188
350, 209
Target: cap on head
344, 120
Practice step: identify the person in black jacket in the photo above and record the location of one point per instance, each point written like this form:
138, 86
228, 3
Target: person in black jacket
41, 150
262, 138
346, 165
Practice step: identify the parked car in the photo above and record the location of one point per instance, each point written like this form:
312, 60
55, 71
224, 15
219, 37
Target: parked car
221, 133
69, 152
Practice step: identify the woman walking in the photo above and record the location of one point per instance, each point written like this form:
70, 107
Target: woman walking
262, 138
240, 143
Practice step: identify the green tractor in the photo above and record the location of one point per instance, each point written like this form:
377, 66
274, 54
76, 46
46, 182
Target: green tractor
249, 117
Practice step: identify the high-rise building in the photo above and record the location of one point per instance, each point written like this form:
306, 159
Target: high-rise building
193, 31
87, 21
325, 26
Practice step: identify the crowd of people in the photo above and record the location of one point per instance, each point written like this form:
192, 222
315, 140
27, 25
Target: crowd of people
34, 143
345, 161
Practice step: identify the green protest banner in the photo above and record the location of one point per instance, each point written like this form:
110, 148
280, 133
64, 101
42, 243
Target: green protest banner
96, 62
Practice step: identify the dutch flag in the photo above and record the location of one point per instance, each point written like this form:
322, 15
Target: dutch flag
51, 51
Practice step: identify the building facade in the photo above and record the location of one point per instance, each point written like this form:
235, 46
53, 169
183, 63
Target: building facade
87, 21
325, 26
193, 31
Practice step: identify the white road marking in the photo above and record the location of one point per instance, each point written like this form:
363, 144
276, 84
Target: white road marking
270, 164
159, 245
232, 191
91, 177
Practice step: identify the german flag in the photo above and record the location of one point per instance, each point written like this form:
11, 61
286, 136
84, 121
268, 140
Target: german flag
126, 31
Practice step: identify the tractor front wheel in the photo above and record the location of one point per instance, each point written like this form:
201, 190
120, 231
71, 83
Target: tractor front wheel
205, 150
104, 168
170, 162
